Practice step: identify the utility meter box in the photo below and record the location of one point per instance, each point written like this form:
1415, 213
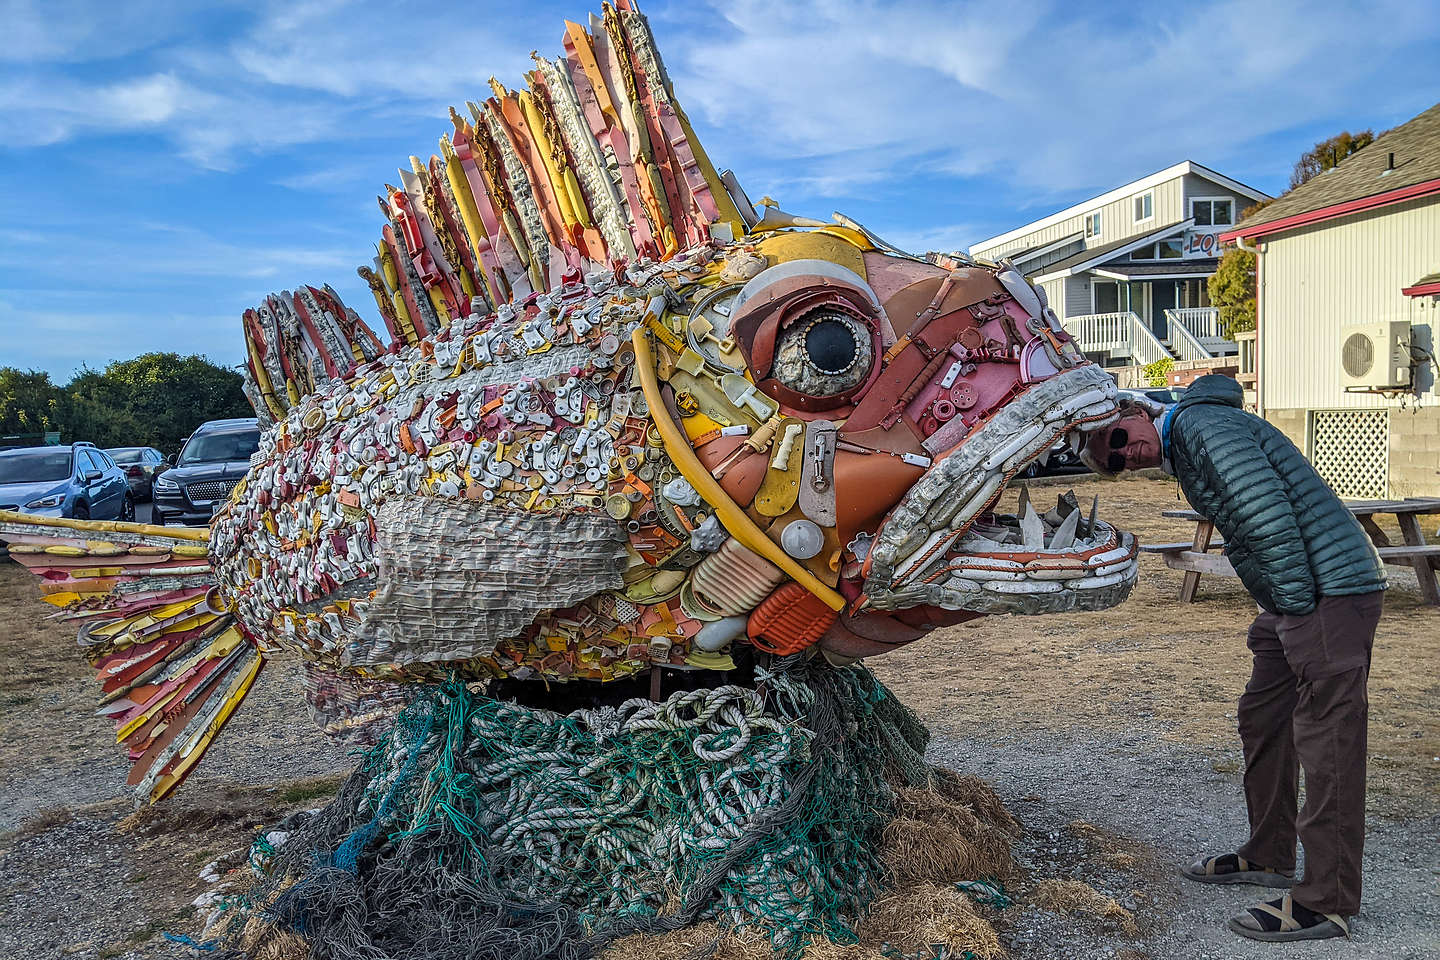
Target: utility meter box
1375, 356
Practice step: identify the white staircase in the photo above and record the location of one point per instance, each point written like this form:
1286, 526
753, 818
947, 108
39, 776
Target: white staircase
1194, 335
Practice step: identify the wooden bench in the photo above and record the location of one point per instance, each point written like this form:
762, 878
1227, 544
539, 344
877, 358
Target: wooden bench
1194, 558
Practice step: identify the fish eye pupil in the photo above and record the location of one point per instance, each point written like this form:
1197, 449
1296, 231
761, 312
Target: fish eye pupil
830, 345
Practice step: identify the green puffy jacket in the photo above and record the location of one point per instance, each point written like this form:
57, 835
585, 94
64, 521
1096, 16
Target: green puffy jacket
1288, 536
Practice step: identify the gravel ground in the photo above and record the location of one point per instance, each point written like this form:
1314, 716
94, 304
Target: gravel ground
84, 877
1151, 806
1119, 811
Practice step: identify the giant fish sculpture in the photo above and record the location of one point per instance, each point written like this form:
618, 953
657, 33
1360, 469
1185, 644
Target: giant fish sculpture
623, 424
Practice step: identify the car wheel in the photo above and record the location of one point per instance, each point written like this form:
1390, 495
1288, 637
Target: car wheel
81, 511
127, 509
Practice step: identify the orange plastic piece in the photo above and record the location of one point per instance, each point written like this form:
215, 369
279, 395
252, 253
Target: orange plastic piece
789, 620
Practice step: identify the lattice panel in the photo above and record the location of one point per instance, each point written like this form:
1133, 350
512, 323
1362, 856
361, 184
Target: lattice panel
1351, 450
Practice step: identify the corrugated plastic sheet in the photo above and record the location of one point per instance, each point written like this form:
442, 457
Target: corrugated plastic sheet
456, 577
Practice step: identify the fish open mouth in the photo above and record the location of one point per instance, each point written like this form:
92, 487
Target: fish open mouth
944, 546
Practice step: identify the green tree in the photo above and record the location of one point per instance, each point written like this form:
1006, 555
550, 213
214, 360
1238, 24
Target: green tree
156, 399
29, 402
1232, 291
1156, 373
1327, 154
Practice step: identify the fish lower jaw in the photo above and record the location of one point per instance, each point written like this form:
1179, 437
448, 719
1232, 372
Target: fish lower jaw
930, 552
987, 576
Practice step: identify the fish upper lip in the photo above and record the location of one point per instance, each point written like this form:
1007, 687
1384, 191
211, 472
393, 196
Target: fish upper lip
917, 557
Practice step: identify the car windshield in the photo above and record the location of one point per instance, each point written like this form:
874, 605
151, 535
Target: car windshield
30, 466
126, 454
220, 447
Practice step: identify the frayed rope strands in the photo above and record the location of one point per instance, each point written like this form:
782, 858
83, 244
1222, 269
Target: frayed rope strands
487, 829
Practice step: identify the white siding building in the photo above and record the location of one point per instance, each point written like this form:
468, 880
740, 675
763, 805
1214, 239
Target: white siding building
1126, 271
1348, 295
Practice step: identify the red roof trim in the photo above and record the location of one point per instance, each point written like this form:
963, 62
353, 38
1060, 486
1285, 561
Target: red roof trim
1412, 192
1423, 290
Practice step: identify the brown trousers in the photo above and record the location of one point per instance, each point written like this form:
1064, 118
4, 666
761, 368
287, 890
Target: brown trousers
1306, 706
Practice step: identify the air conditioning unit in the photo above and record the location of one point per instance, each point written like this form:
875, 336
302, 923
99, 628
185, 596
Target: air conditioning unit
1375, 356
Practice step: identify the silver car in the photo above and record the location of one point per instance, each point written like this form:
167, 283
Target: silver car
140, 465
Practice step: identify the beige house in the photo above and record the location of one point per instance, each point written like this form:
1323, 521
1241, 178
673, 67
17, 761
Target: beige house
1126, 271
1348, 296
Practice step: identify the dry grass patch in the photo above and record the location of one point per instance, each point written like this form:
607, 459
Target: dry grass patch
933, 838
1075, 896
922, 921
47, 819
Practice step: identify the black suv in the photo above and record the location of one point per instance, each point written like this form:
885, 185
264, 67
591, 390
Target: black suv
212, 461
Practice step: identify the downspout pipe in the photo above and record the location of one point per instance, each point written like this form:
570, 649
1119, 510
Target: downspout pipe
1259, 386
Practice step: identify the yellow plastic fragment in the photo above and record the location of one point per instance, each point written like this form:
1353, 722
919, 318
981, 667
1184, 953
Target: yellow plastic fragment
729, 513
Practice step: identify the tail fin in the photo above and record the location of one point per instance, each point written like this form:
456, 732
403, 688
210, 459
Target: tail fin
172, 666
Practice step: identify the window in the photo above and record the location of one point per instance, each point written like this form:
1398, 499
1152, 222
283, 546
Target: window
35, 465
1213, 211
1092, 224
1172, 249
220, 447
1107, 297
90, 463
1144, 206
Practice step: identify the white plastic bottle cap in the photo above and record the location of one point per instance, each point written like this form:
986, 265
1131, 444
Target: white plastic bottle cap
802, 539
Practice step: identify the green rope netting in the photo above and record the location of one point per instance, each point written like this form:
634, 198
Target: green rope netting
525, 833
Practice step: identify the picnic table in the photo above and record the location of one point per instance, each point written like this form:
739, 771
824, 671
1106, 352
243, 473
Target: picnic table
1195, 557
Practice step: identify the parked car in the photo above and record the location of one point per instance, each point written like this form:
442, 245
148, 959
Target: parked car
212, 461
1062, 460
79, 480
1169, 396
140, 465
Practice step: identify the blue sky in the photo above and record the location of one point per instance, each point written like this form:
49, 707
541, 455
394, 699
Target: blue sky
167, 164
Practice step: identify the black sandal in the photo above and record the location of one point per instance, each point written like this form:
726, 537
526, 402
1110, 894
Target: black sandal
1233, 868
1284, 921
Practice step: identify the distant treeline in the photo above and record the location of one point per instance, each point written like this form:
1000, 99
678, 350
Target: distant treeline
155, 400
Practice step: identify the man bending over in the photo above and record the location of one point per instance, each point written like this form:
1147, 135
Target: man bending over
1319, 583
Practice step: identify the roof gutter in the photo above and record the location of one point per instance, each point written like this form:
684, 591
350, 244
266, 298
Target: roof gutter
1413, 192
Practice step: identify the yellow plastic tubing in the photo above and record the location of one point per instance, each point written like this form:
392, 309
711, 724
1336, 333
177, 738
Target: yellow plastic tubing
741, 527
108, 526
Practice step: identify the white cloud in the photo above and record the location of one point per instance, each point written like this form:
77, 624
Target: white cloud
38, 31
295, 73
351, 49
140, 102
1045, 98
182, 251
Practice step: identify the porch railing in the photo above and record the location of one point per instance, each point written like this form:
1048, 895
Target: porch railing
1204, 324
1121, 333
1184, 344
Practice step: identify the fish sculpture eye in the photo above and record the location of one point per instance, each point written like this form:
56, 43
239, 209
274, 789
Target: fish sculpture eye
824, 354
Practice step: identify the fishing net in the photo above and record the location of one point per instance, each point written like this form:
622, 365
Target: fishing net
481, 828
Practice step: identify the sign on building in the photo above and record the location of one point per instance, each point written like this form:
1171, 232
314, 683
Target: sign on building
1203, 242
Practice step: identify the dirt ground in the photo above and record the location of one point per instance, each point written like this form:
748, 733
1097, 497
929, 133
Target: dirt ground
1179, 668
1110, 735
